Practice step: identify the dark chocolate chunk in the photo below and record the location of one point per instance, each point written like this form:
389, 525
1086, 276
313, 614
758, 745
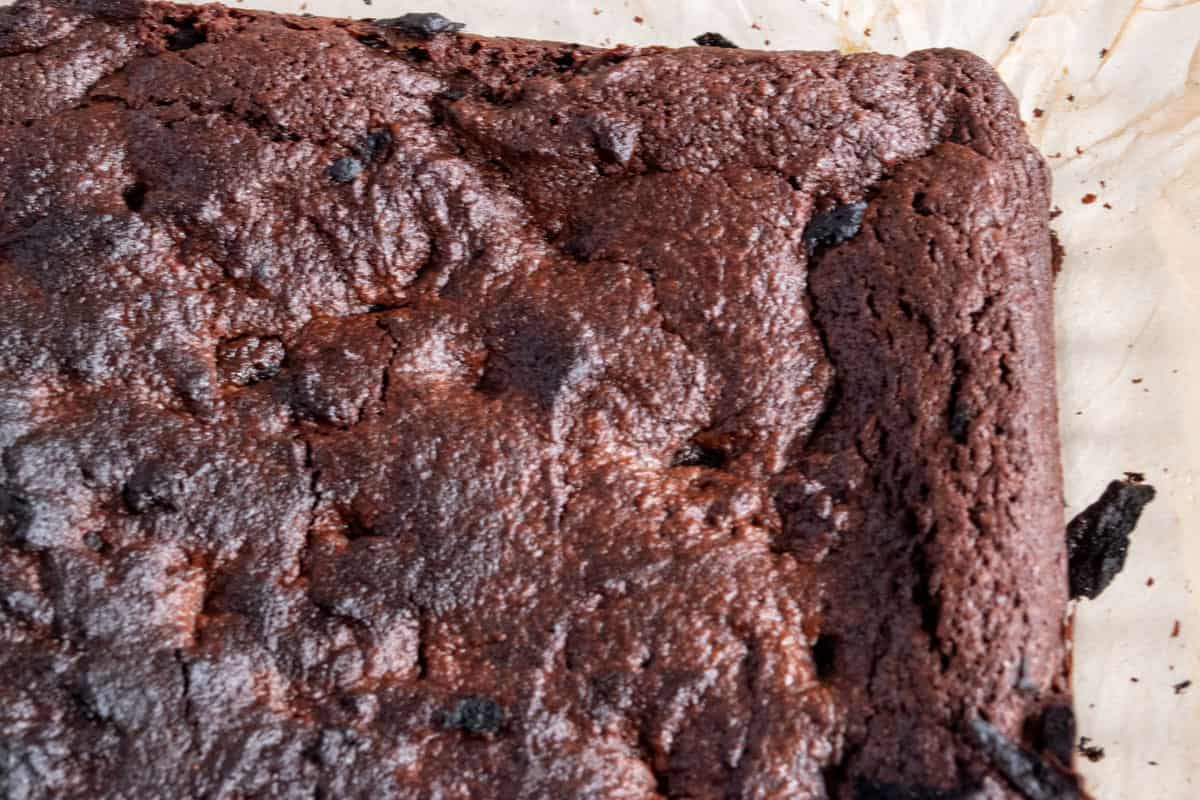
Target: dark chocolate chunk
865, 789
1090, 751
376, 143
834, 226
1098, 538
154, 486
1034, 778
693, 454
424, 24
713, 40
345, 170
1056, 732
186, 34
475, 714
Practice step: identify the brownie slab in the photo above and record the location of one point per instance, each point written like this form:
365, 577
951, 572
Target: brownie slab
387, 411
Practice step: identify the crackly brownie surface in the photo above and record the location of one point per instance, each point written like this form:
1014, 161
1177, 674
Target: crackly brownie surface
389, 412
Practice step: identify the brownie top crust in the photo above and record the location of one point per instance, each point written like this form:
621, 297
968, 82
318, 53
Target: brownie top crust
389, 411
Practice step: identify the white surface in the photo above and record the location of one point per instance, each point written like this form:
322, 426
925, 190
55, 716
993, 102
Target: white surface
1128, 298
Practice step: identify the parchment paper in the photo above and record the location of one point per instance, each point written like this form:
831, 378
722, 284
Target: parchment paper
1111, 93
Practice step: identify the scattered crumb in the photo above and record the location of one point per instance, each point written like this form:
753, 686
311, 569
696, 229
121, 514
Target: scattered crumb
1038, 112
1152, 763
767, 42
1087, 200
1133, 680
1149, 581
595, 12
1078, 150
638, 20
867, 32
1103, 185
1057, 155
1070, 98
1136, 380
1135, 477
367, 2
755, 26
1181, 687
1108, 206
1015, 36
1079, 413
1175, 630
1055, 212
1090, 751
1103, 52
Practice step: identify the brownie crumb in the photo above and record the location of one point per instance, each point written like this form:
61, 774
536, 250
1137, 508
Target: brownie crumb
1149, 581
1025, 771
1090, 751
1078, 150
1039, 112
711, 39
867, 32
1098, 538
1055, 212
345, 170
1070, 98
1152, 763
422, 24
1108, 206
638, 20
1175, 630
1133, 680
475, 714
1057, 253
1181, 687
1103, 184
1103, 52
1088, 199
834, 226
1016, 35
1135, 477
1136, 380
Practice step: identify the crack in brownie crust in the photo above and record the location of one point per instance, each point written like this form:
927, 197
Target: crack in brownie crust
400, 413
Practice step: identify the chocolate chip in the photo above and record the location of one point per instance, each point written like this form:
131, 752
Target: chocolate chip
1056, 732
1098, 538
345, 170
824, 655
154, 487
834, 226
475, 714
713, 40
135, 197
866, 789
694, 454
186, 34
1090, 751
376, 143
1025, 771
423, 24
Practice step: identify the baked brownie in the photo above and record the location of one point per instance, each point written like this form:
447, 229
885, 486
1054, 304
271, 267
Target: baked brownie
387, 411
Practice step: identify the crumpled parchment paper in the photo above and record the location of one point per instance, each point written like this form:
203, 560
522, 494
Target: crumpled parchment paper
1110, 90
